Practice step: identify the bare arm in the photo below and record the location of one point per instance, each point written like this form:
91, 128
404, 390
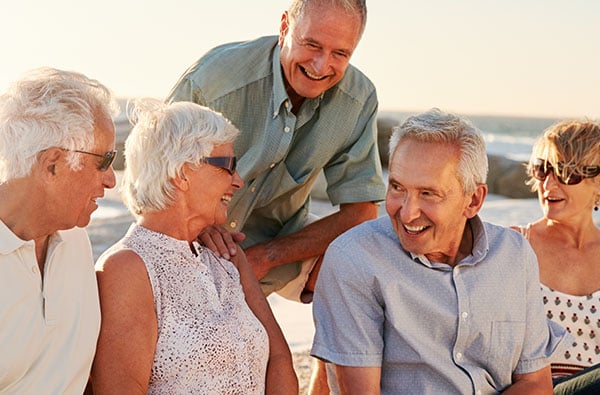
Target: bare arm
358, 380
534, 383
310, 241
281, 378
128, 334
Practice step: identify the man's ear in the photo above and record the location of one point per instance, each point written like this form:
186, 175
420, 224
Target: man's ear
476, 202
283, 27
48, 160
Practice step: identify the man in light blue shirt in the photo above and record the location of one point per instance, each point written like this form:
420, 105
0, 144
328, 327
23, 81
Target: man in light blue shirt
301, 108
430, 299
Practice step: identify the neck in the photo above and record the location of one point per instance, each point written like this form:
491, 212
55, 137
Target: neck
294, 97
172, 223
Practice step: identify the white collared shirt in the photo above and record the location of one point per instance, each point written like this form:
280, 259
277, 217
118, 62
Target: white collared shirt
49, 329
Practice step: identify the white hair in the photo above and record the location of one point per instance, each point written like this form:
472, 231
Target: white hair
436, 126
297, 9
49, 108
164, 138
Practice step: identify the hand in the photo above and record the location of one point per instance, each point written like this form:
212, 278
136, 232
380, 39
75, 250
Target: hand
220, 240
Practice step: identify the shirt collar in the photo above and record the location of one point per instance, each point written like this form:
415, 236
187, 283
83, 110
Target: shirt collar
480, 247
280, 96
10, 242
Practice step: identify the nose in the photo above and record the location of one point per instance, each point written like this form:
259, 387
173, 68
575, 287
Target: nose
550, 181
237, 181
109, 178
321, 62
409, 209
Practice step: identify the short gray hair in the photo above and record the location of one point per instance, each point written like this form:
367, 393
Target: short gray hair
436, 126
164, 138
298, 7
49, 108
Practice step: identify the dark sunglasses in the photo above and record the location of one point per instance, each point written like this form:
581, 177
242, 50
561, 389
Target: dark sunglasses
541, 168
228, 163
107, 159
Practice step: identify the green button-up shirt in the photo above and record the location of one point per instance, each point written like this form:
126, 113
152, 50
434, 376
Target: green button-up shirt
281, 154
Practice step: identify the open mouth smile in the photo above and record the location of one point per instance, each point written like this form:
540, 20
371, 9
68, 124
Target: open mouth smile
415, 230
312, 76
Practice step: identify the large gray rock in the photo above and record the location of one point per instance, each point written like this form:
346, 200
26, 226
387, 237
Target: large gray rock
507, 177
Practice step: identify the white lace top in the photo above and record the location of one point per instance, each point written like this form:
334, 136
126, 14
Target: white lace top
209, 341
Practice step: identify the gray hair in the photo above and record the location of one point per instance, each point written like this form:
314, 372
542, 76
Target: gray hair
436, 126
49, 108
164, 138
298, 7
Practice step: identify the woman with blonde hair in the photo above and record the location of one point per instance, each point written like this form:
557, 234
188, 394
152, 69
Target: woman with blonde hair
564, 168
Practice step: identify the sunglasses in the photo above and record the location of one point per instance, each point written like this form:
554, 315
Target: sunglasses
541, 168
228, 163
107, 159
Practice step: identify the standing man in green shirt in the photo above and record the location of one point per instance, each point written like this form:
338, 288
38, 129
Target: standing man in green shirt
301, 108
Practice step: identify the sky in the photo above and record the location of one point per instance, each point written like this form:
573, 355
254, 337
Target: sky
509, 57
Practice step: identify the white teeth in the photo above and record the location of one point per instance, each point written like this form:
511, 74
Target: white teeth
226, 198
414, 228
313, 76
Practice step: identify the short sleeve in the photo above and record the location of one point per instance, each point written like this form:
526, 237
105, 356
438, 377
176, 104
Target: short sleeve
348, 316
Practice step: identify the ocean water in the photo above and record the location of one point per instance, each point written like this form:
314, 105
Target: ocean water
512, 137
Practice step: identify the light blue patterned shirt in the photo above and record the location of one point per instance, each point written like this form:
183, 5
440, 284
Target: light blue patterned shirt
433, 328
280, 154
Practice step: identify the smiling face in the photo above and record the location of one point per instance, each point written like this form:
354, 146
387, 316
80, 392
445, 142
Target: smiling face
80, 189
211, 188
426, 202
316, 49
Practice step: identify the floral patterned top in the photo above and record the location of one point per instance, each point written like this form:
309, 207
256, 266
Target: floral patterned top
579, 315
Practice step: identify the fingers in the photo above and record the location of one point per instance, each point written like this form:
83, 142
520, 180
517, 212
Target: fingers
220, 241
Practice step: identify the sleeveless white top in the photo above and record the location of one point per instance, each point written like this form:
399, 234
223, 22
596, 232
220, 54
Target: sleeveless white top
209, 341
580, 316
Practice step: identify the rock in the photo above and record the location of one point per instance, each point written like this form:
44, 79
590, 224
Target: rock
507, 177
122, 129
384, 132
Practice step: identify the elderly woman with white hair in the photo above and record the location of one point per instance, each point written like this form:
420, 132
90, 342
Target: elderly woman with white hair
176, 318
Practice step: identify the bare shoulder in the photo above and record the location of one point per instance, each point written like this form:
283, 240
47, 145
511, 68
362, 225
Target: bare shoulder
120, 261
122, 273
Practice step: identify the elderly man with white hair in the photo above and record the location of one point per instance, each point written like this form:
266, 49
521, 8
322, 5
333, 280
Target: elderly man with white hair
57, 142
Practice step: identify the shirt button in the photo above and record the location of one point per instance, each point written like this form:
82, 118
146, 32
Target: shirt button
286, 104
458, 356
34, 269
465, 315
286, 129
272, 165
252, 189
232, 224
